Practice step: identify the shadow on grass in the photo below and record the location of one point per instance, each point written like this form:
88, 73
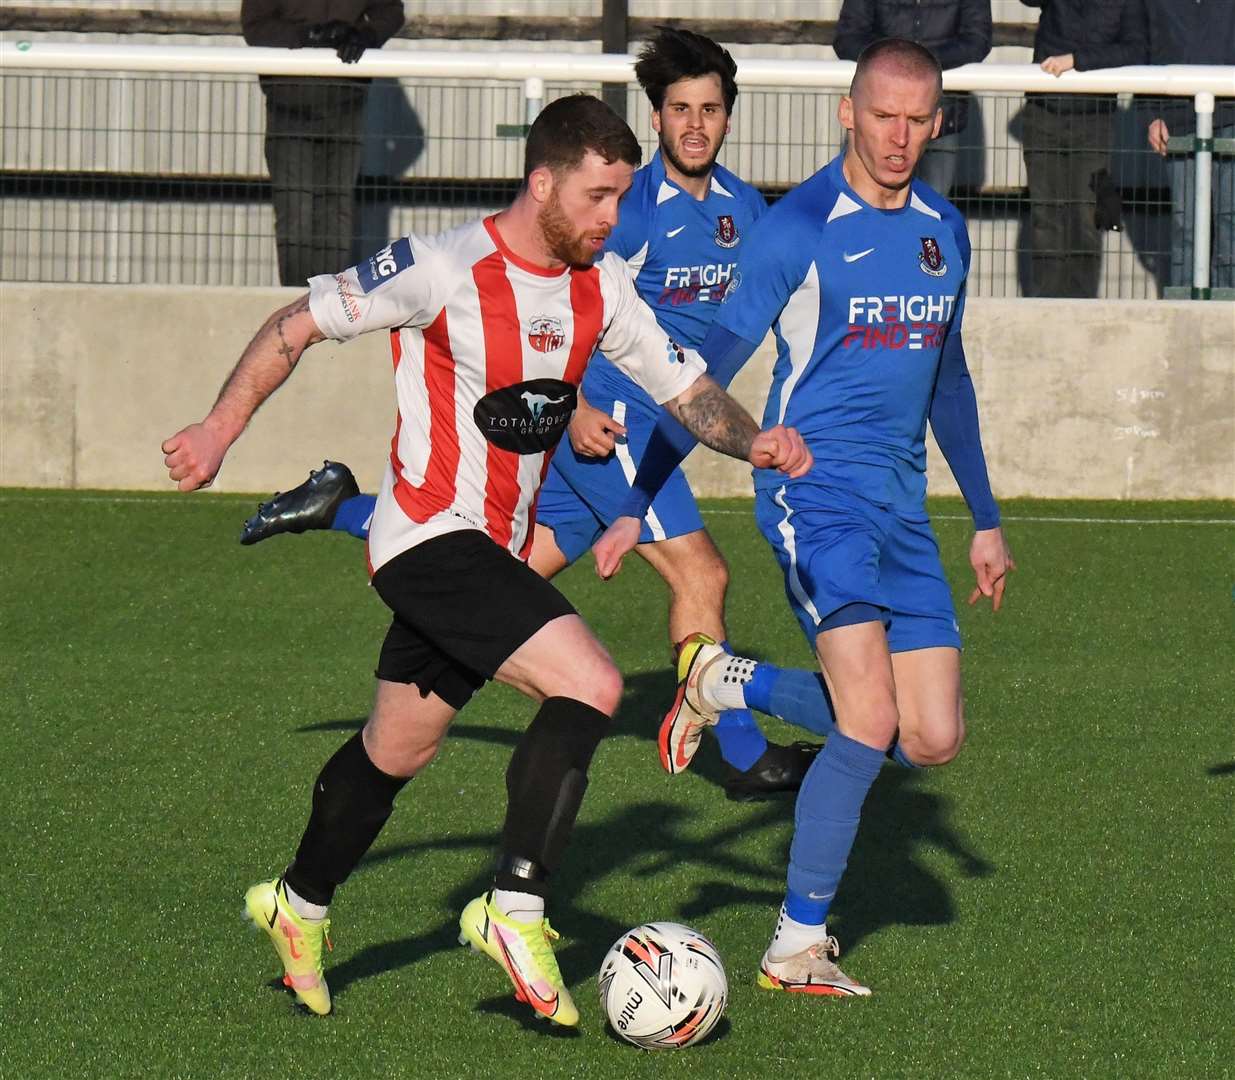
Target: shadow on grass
888, 882
647, 697
1223, 768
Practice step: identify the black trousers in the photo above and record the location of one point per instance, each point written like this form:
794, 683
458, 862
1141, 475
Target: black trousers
314, 130
1063, 150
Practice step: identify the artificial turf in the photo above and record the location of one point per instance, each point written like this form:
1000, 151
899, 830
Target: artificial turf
1057, 903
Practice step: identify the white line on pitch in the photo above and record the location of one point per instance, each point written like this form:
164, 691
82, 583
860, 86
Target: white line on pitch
164, 501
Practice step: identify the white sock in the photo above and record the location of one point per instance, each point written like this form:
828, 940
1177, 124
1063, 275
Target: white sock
526, 907
791, 936
302, 907
723, 682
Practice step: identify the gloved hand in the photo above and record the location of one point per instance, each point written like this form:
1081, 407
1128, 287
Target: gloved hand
353, 46
330, 35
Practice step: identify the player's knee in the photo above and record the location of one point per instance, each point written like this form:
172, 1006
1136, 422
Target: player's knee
935, 744
600, 687
593, 679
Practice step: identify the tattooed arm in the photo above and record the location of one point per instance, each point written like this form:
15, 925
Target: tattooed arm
193, 455
714, 418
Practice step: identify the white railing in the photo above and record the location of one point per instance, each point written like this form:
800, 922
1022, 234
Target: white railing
533, 69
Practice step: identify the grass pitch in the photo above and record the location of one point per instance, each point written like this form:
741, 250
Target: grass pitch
1056, 903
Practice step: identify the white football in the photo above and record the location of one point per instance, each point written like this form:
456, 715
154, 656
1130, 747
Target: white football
663, 986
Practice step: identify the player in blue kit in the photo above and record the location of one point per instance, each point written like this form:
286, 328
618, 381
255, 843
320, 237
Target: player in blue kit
681, 227
861, 271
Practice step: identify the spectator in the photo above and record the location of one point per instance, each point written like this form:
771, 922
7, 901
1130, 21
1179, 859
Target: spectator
956, 31
1199, 32
1067, 138
314, 126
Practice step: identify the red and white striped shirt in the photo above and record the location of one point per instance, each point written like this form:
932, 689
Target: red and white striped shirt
488, 350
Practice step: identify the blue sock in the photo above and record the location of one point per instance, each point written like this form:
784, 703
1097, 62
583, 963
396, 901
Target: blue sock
354, 515
740, 740
801, 908
795, 696
827, 814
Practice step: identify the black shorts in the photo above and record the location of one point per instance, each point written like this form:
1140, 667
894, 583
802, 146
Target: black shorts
462, 605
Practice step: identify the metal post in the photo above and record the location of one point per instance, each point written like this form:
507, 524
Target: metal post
533, 98
613, 39
1203, 207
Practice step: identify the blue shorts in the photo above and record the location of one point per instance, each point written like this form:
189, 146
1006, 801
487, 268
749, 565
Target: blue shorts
581, 496
836, 548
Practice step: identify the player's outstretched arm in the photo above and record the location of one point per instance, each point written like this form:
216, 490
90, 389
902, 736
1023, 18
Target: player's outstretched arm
719, 422
193, 455
992, 561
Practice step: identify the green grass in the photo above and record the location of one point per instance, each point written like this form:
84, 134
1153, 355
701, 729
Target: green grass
1056, 903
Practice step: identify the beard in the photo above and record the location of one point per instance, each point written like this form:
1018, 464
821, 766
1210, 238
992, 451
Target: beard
693, 171
561, 238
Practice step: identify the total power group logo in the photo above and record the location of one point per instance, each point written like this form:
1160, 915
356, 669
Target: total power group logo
528, 417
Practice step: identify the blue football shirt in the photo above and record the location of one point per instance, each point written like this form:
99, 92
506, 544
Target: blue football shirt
683, 252
862, 302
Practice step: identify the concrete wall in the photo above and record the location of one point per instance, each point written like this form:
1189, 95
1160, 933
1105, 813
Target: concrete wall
1079, 398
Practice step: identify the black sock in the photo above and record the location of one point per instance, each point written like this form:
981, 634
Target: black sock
352, 798
545, 783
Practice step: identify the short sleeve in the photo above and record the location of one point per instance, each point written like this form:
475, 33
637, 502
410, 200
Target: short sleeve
636, 342
404, 284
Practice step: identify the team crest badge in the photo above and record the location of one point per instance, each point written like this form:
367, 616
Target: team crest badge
931, 259
545, 334
726, 234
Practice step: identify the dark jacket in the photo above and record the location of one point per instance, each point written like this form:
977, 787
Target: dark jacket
1098, 34
1191, 32
280, 24
956, 31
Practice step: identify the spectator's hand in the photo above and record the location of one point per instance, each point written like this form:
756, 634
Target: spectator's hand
592, 431
1057, 65
353, 46
1159, 133
329, 35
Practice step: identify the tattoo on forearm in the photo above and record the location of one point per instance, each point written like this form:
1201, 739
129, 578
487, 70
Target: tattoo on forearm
719, 422
284, 349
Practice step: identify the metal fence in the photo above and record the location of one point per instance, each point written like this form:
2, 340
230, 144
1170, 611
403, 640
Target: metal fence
160, 177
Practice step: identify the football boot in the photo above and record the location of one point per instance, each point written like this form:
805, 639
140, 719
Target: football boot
312, 505
297, 941
779, 768
524, 951
683, 725
812, 971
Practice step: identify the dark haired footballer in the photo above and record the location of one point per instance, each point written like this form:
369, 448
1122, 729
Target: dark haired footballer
682, 226
495, 323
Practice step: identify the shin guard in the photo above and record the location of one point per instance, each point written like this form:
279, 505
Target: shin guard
545, 783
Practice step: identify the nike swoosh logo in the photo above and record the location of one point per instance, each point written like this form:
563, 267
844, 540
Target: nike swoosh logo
860, 255
673, 232
273, 915
820, 896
